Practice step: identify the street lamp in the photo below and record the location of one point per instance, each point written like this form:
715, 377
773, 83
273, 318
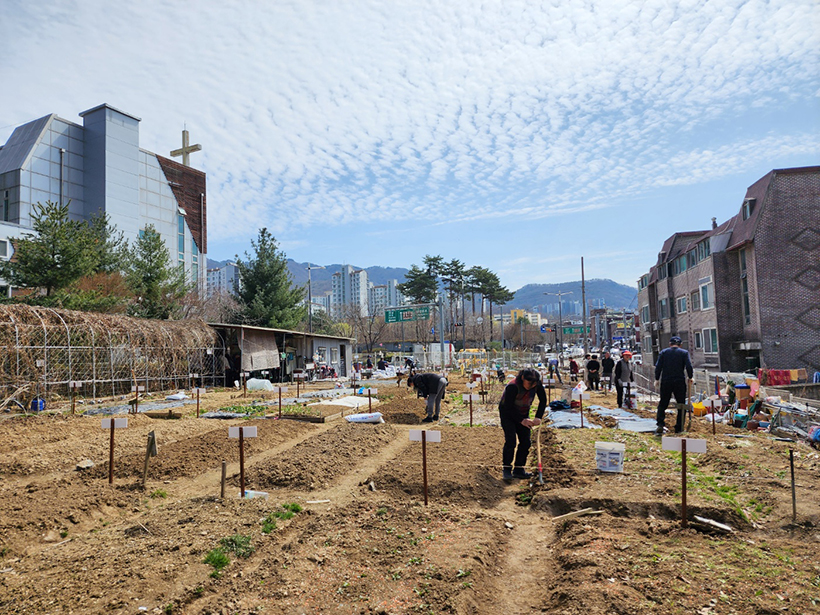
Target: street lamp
559, 294
310, 297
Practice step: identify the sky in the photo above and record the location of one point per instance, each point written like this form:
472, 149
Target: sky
514, 135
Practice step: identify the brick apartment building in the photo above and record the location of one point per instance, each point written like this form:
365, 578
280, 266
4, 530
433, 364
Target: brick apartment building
745, 293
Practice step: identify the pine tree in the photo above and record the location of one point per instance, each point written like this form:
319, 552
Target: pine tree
266, 289
58, 254
157, 284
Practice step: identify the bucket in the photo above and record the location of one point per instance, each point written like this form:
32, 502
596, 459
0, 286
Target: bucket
610, 456
38, 405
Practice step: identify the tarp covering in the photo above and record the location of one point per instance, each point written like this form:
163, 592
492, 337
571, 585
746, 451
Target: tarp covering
259, 350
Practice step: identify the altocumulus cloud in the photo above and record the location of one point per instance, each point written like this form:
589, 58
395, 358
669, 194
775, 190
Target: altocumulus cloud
318, 113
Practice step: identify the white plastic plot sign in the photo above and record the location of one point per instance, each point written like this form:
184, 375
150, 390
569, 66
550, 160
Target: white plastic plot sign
471, 397
430, 436
247, 432
281, 389
138, 388
372, 391
472, 385
300, 376
579, 395
118, 423
199, 391
75, 384
692, 445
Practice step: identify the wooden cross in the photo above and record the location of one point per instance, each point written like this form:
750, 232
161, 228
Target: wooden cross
186, 150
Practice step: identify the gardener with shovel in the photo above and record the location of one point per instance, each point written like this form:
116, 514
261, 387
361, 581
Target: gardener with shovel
514, 408
671, 370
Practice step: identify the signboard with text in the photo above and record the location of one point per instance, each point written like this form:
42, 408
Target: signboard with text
575, 330
407, 314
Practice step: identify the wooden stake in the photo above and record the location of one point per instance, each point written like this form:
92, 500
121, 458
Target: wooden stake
111, 455
242, 461
471, 410
369, 402
224, 475
683, 521
280, 400
197, 402
423, 462
794, 493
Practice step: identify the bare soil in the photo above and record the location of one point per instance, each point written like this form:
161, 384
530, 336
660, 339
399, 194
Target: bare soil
365, 542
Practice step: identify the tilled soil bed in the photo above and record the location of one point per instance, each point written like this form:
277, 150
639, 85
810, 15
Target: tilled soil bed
344, 528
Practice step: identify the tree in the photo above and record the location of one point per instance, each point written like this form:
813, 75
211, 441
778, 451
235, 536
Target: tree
495, 293
158, 286
59, 254
108, 247
368, 328
419, 286
266, 291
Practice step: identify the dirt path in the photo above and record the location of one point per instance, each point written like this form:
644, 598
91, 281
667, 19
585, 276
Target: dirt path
523, 568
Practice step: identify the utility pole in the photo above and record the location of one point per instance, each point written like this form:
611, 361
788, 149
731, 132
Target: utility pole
584, 307
501, 307
560, 329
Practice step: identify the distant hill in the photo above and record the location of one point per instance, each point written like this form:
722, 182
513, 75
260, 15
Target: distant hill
598, 293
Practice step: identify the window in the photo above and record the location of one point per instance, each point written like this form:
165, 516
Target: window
698, 340
663, 309
710, 341
6, 206
4, 249
645, 313
681, 305
694, 301
748, 208
679, 265
662, 272
322, 352
194, 262
181, 237
334, 355
704, 249
643, 282
707, 293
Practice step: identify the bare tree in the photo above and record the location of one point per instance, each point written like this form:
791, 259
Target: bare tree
369, 329
221, 306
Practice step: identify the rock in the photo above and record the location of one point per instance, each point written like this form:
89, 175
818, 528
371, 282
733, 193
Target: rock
85, 464
508, 525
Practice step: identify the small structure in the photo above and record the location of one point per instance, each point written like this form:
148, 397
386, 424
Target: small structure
281, 352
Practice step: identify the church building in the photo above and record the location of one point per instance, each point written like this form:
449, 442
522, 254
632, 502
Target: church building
99, 167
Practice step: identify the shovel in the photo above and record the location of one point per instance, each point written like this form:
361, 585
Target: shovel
538, 450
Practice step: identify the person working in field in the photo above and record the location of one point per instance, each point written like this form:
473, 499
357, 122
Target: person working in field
432, 387
514, 408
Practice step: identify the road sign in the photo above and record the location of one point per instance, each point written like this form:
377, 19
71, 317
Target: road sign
575, 330
408, 314
543, 328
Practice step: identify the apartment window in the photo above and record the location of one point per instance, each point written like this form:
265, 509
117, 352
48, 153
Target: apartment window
662, 272
748, 208
704, 249
6, 206
645, 313
663, 309
710, 341
698, 340
643, 282
681, 305
694, 301
707, 293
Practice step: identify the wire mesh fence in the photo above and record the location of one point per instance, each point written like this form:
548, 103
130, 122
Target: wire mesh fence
43, 350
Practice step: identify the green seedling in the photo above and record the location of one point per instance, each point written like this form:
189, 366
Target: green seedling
238, 544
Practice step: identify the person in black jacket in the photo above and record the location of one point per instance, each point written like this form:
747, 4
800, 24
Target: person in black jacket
593, 372
432, 387
607, 365
671, 370
623, 375
514, 408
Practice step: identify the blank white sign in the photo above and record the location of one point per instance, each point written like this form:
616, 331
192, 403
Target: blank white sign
199, 390
118, 423
692, 445
281, 389
247, 432
471, 397
137, 389
373, 391
432, 436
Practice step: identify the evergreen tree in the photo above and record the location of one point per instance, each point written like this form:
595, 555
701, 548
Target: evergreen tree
419, 285
58, 254
157, 284
266, 291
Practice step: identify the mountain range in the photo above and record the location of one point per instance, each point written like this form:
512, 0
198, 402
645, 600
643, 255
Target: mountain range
599, 292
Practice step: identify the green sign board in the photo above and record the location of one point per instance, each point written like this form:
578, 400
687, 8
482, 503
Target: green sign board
408, 314
575, 330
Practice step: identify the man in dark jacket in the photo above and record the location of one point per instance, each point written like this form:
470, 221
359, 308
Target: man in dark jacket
431, 387
671, 371
607, 365
623, 376
516, 422
593, 372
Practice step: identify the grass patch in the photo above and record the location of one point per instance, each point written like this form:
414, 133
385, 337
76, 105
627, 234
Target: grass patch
238, 544
158, 493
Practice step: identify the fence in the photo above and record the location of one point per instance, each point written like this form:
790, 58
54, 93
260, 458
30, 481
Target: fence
42, 350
